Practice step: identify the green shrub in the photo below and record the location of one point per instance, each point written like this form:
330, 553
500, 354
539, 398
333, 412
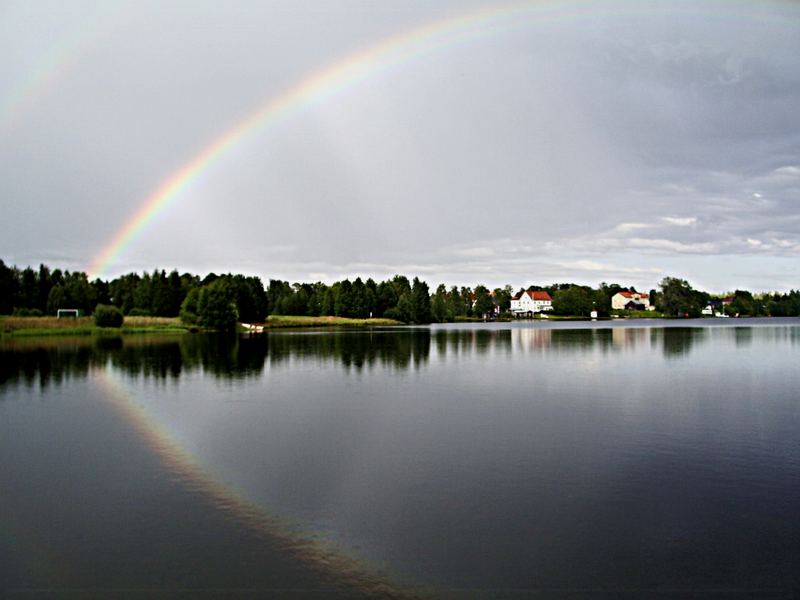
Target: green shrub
139, 312
27, 312
216, 308
188, 312
107, 316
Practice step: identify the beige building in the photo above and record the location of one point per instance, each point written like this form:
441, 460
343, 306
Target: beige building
631, 301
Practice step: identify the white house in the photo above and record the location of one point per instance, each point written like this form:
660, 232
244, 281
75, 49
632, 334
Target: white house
634, 300
527, 303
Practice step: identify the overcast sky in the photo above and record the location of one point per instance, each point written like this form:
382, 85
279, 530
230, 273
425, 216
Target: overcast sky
576, 141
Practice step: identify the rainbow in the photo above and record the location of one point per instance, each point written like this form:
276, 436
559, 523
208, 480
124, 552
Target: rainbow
63, 55
395, 50
340, 568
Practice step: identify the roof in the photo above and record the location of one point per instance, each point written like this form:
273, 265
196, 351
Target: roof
544, 296
540, 296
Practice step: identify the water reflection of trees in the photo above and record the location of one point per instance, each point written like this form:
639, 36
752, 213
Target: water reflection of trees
45, 364
356, 350
47, 361
455, 342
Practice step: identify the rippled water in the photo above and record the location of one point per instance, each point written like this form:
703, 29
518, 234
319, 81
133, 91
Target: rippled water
498, 461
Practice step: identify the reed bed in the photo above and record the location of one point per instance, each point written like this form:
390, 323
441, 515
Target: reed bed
281, 321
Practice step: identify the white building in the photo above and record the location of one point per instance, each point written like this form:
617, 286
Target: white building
633, 300
527, 303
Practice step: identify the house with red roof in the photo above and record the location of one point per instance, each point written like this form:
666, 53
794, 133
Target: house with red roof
527, 303
631, 301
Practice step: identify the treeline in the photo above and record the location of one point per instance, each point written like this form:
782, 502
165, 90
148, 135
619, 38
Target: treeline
678, 298
222, 300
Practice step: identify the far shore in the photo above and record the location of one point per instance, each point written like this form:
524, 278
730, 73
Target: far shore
13, 326
288, 322
41, 326
47, 326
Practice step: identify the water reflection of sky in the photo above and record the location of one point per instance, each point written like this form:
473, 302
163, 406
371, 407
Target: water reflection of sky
489, 458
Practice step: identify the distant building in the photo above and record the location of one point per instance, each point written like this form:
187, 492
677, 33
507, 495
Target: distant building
631, 301
492, 312
528, 303
716, 306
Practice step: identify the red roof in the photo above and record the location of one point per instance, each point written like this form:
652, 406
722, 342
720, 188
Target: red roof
533, 295
540, 296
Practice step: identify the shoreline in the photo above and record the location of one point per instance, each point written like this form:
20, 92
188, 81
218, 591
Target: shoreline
32, 327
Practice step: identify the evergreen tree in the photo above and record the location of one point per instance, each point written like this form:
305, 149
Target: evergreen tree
161, 297
343, 301
371, 293
143, 295
386, 298
101, 291
360, 304
316, 298
328, 303
277, 293
79, 294
421, 299
401, 285
8, 289
28, 294
44, 285
455, 304
297, 301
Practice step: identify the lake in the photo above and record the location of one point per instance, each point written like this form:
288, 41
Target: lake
630, 459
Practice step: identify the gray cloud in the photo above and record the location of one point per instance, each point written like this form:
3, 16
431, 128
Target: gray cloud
624, 146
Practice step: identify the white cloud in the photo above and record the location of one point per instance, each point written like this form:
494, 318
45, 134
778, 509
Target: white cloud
673, 246
563, 163
476, 252
594, 266
680, 221
790, 170
625, 227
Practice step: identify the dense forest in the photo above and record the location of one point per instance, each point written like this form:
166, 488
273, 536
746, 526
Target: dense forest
230, 297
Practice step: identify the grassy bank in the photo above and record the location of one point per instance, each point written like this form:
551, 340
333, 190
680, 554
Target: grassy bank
50, 326
281, 321
637, 314
43, 326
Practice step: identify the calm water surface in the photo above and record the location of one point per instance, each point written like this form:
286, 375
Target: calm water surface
492, 461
